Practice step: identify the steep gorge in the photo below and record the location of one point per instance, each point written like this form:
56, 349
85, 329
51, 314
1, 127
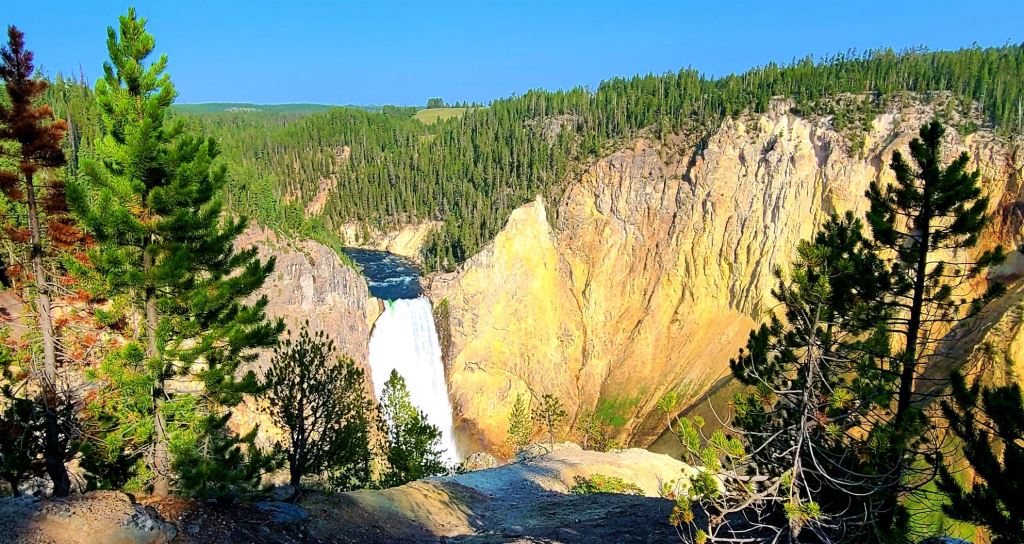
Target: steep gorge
661, 261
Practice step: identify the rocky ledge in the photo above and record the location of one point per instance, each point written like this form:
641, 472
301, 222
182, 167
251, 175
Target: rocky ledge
525, 501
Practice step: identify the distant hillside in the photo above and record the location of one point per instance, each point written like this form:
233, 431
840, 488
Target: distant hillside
383, 167
241, 107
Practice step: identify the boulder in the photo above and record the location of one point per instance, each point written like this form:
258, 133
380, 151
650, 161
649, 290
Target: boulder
480, 460
543, 448
284, 493
282, 513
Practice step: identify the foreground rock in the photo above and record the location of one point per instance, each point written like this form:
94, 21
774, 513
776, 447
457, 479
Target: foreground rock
100, 516
527, 501
110, 517
521, 502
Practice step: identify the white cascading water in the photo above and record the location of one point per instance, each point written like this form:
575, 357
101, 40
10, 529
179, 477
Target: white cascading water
404, 338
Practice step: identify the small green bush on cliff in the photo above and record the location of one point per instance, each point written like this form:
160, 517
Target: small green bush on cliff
520, 428
550, 415
599, 483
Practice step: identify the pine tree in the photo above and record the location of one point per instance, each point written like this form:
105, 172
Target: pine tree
814, 419
166, 253
550, 414
930, 211
520, 428
324, 406
37, 151
413, 444
990, 425
589, 428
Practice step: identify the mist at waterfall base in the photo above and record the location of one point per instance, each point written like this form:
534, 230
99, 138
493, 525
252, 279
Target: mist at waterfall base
404, 338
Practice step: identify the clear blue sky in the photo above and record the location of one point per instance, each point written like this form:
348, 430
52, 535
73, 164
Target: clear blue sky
377, 52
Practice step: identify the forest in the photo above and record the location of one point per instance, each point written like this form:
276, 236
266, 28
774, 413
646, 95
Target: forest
469, 172
385, 169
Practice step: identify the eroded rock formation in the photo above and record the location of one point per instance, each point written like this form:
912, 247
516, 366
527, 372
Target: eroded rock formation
661, 261
406, 241
310, 284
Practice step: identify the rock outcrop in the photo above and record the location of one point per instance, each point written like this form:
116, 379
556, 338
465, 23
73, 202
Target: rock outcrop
518, 502
406, 240
661, 261
310, 283
99, 516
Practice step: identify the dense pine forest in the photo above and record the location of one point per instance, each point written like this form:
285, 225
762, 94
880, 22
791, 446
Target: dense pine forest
387, 168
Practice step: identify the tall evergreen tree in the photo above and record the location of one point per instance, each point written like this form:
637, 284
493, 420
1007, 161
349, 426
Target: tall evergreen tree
930, 212
814, 419
166, 257
413, 444
36, 150
990, 425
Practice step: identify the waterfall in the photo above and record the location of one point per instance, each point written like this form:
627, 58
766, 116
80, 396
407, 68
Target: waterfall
404, 338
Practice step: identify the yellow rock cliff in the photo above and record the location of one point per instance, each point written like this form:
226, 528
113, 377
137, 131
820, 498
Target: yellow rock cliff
660, 263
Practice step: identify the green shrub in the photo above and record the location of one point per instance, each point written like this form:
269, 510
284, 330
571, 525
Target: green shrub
599, 483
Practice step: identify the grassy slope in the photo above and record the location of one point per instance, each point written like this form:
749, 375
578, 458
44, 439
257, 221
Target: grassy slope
432, 115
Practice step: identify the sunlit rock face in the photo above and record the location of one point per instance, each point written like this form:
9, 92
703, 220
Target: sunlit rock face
661, 261
406, 241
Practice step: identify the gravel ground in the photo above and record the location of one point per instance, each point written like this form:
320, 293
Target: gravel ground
527, 501
520, 502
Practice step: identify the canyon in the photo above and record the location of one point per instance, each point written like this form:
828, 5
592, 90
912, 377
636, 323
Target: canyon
656, 267
660, 262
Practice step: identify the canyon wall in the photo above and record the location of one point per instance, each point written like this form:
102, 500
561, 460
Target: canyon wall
310, 284
661, 260
406, 240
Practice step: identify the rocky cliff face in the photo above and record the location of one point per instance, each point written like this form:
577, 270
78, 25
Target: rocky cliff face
309, 284
660, 263
406, 240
